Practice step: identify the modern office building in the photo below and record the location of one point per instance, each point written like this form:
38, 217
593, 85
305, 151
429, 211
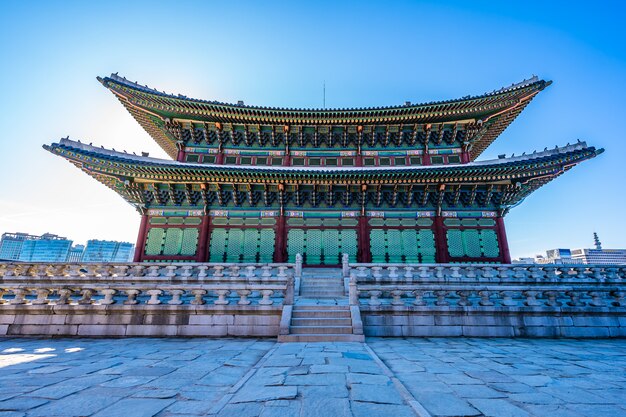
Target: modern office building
108, 251
76, 253
45, 248
600, 256
260, 184
11, 245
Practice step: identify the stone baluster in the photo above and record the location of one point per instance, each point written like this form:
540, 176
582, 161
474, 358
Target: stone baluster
374, 297
377, 272
612, 273
43, 270
425, 272
176, 297
86, 299
441, 298
507, 298
282, 271
596, 299
353, 293
233, 271
121, 270
250, 271
131, 297
485, 298
267, 272
531, 298
218, 271
563, 273
138, 270
535, 273
202, 271
107, 271
550, 273
362, 272
63, 270
580, 272
20, 295
487, 272
74, 271
154, 297
171, 271
2, 292
574, 299
221, 297
552, 298
520, 273
470, 272
42, 296
408, 273
504, 272
92, 270
618, 298
597, 273
392, 273
396, 296
198, 297
154, 271
266, 300
243, 297
454, 272
108, 293
440, 272
65, 296
187, 271
464, 298
419, 298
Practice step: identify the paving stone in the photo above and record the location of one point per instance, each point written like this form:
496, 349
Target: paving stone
316, 379
327, 369
21, 403
77, 404
256, 393
135, 407
375, 394
291, 409
56, 391
493, 407
190, 407
367, 379
241, 410
478, 391
444, 404
381, 410
313, 391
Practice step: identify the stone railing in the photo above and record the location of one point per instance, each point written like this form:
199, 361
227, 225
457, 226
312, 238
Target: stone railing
487, 285
144, 283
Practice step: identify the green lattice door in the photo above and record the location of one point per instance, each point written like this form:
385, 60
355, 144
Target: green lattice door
473, 243
321, 247
402, 245
241, 245
172, 241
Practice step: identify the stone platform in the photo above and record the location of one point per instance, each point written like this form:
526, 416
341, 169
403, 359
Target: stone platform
134, 377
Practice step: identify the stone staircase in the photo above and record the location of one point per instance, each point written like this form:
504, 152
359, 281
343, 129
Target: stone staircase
321, 312
320, 283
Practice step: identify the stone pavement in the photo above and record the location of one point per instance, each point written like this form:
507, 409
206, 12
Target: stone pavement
258, 377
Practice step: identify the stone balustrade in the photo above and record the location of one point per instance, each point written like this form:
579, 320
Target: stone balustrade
141, 283
490, 300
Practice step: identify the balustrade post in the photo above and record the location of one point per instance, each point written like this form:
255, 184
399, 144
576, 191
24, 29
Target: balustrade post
87, 293
65, 295
298, 267
374, 300
42, 296
552, 299
345, 265
574, 299
176, 297
408, 273
353, 295
419, 298
531, 298
618, 297
131, 297
265, 300
289, 292
507, 298
596, 299
243, 296
221, 297
464, 298
202, 271
485, 298
198, 297
19, 295
396, 296
154, 297
108, 296
441, 298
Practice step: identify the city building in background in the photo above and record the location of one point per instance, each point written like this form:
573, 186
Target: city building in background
11, 245
387, 184
53, 248
108, 251
45, 248
76, 253
579, 256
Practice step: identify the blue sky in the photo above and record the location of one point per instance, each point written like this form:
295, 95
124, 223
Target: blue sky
279, 54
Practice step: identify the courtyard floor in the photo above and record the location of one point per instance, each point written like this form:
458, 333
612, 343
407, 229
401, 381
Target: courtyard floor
258, 377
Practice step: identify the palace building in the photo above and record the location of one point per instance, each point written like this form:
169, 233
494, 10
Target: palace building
261, 184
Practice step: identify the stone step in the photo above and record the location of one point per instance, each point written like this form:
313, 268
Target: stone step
321, 321
321, 286
320, 329
320, 314
320, 308
321, 338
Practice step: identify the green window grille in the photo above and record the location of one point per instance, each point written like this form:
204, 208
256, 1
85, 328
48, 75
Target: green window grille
173, 241
266, 245
217, 251
489, 243
250, 245
295, 243
154, 242
234, 244
190, 242
475, 243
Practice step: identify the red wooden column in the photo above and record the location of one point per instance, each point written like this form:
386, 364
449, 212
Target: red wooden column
180, 157
280, 241
504, 244
140, 246
202, 255
426, 157
364, 242
441, 243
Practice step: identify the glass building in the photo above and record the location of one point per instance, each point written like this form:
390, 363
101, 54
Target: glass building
45, 248
108, 251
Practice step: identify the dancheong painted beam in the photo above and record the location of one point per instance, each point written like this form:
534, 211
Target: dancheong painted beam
390, 184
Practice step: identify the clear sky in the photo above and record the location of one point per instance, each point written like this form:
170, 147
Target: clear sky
279, 54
